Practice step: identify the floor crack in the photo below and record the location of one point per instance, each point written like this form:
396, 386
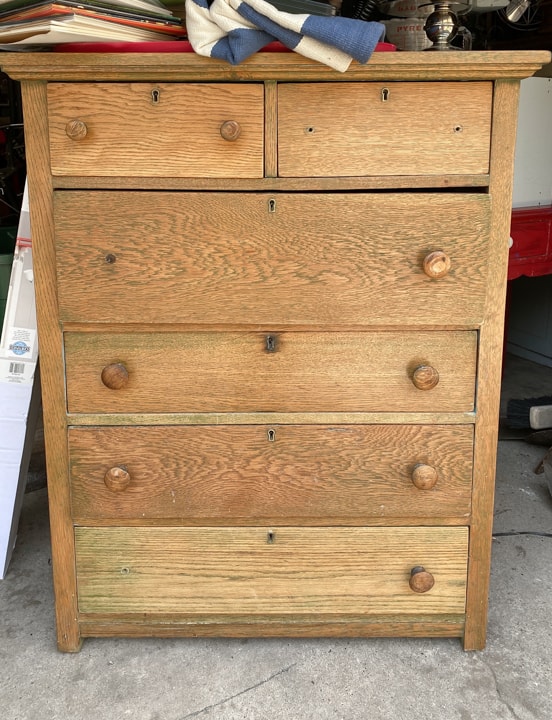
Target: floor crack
242, 692
499, 692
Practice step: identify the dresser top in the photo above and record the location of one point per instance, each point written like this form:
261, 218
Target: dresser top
481, 65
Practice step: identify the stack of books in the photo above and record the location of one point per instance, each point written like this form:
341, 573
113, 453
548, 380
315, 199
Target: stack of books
51, 22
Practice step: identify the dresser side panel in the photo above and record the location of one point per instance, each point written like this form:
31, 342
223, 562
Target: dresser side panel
51, 362
503, 138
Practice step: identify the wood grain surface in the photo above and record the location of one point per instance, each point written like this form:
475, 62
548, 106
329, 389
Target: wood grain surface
282, 258
233, 372
129, 134
257, 474
300, 571
423, 128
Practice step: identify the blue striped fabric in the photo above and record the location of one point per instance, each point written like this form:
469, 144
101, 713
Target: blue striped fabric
233, 30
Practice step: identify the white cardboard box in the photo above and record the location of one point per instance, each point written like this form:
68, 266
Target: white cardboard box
19, 388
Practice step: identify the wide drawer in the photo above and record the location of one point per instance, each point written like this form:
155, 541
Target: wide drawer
254, 258
258, 474
410, 128
272, 372
286, 571
156, 129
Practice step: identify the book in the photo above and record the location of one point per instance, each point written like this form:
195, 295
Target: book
64, 8
153, 7
73, 28
98, 6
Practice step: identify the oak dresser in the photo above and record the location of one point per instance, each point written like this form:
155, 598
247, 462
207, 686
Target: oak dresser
270, 304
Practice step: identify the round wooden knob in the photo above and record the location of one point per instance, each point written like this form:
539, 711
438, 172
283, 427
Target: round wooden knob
420, 580
424, 477
115, 376
230, 130
117, 479
76, 129
436, 264
425, 377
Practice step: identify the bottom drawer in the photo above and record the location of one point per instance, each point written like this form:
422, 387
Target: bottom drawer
258, 571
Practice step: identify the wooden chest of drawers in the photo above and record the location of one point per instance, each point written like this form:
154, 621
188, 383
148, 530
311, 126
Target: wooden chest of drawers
270, 311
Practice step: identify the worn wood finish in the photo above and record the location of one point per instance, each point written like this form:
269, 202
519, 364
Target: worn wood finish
296, 571
286, 259
448, 124
263, 474
51, 363
336, 626
318, 336
341, 184
490, 357
270, 130
233, 371
128, 133
183, 67
271, 418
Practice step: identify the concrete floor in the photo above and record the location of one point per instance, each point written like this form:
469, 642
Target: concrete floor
387, 679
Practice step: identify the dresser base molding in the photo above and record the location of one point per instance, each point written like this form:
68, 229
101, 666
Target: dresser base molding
231, 627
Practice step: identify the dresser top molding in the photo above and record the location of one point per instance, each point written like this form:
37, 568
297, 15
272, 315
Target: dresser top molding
481, 65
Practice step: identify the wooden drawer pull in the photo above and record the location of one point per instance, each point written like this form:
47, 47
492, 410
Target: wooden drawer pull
436, 264
230, 130
424, 477
117, 479
115, 376
76, 129
425, 377
420, 580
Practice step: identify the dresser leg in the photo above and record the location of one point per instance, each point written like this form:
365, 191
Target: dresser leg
69, 643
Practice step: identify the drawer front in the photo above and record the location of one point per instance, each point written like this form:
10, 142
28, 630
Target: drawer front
286, 473
340, 129
342, 259
270, 372
291, 571
155, 129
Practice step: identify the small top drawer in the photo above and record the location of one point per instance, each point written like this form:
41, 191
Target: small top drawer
156, 130
361, 129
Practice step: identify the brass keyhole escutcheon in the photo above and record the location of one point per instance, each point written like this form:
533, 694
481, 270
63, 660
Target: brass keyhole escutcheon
270, 343
155, 96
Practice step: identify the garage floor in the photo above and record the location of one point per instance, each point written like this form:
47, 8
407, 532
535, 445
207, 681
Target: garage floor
387, 679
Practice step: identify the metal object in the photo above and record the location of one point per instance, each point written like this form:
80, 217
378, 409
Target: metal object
516, 9
442, 26
270, 343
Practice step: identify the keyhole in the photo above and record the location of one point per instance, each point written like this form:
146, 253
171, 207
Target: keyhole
271, 537
272, 205
385, 94
155, 96
271, 435
270, 343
